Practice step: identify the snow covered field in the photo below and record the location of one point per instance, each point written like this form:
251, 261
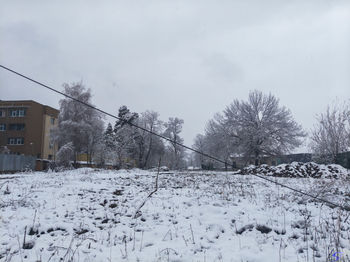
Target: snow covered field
88, 215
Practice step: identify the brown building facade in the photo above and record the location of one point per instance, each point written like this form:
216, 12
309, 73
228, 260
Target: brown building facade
25, 128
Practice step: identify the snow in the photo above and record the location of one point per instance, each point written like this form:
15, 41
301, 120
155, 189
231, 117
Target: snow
88, 215
299, 169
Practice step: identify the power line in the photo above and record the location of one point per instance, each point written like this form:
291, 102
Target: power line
347, 208
113, 116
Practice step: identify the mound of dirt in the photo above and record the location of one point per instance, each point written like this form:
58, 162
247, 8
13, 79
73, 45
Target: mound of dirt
298, 169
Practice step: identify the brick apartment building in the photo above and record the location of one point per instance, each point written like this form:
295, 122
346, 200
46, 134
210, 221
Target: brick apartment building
25, 128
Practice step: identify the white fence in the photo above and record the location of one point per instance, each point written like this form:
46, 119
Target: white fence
10, 162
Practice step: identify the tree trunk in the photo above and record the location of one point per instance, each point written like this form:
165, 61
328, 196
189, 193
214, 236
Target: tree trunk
256, 158
149, 149
141, 153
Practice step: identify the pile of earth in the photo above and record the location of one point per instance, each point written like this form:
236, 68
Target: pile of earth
299, 169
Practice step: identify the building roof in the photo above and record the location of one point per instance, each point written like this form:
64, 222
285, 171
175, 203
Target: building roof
26, 101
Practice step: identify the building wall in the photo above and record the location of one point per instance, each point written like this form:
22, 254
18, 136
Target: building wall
35, 129
49, 150
344, 159
82, 157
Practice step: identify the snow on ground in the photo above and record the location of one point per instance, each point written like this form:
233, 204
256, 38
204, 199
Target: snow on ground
88, 215
298, 169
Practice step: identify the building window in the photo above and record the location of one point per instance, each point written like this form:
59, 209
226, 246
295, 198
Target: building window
17, 112
2, 113
21, 112
11, 141
2, 127
20, 141
52, 121
17, 127
15, 141
13, 113
50, 157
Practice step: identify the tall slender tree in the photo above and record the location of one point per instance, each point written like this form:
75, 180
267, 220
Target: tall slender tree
172, 131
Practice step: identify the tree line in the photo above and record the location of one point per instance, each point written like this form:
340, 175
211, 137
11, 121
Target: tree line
250, 130
261, 127
81, 130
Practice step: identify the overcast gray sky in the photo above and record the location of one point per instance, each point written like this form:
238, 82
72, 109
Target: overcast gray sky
181, 58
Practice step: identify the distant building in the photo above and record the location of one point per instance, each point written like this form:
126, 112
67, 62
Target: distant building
25, 128
344, 159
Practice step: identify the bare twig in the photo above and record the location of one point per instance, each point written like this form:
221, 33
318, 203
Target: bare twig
19, 247
24, 237
168, 232
169, 249
184, 240
133, 246
141, 241
34, 219
68, 249
167, 252
125, 247
52, 254
192, 234
150, 194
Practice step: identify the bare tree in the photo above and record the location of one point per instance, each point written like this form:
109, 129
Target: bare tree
127, 145
105, 151
172, 131
219, 140
330, 136
151, 145
261, 127
145, 144
200, 145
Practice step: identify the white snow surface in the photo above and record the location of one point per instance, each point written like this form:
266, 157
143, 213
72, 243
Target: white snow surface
88, 215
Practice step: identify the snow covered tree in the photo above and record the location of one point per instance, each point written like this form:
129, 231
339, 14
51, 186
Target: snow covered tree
65, 154
200, 145
252, 129
330, 136
148, 145
135, 144
125, 117
261, 127
219, 141
77, 123
216, 142
125, 134
156, 152
105, 150
172, 131
108, 138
